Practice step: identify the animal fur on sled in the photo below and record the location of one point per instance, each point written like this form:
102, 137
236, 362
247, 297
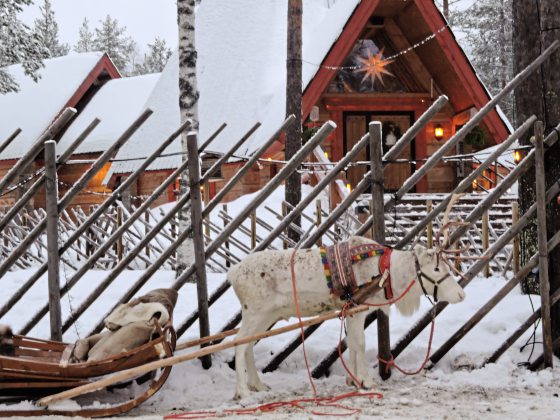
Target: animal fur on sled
129, 325
6, 341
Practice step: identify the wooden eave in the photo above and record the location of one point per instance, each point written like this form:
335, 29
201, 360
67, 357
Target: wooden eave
463, 67
104, 65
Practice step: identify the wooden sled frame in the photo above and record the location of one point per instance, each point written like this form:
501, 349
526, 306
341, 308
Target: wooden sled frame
40, 367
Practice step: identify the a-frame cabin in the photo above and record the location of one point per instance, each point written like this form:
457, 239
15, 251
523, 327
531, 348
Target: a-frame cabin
425, 61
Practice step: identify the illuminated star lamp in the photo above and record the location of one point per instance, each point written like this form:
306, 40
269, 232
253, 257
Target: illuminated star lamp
374, 67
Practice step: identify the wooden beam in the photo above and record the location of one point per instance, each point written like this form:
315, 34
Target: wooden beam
542, 245
198, 241
51, 187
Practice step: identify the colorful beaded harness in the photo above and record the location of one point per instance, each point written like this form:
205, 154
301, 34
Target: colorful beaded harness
338, 261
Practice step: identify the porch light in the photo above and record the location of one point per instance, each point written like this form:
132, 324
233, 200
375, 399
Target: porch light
438, 132
327, 155
517, 156
349, 187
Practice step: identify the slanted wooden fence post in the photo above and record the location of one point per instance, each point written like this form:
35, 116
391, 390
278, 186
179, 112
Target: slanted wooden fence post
51, 188
198, 240
543, 248
378, 234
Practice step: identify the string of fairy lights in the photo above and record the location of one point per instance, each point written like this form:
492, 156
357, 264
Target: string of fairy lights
385, 59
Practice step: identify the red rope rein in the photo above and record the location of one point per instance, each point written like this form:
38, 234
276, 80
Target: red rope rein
332, 401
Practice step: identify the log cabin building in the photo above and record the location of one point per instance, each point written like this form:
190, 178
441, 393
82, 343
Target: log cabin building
241, 78
70, 81
422, 60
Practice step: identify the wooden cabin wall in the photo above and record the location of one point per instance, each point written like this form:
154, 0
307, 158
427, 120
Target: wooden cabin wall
443, 176
151, 180
10, 198
94, 193
253, 181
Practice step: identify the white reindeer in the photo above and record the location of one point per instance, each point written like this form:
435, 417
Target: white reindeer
263, 284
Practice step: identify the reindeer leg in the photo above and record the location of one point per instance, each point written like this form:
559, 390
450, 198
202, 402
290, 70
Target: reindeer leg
255, 384
357, 345
247, 377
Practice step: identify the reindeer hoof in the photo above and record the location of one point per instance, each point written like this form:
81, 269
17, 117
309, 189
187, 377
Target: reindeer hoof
258, 387
366, 383
241, 395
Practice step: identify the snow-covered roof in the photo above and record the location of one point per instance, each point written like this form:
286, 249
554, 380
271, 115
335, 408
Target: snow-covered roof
506, 158
241, 74
34, 107
117, 104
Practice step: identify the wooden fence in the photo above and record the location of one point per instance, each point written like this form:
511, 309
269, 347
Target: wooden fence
114, 239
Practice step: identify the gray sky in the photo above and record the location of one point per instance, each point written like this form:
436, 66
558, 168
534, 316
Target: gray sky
144, 19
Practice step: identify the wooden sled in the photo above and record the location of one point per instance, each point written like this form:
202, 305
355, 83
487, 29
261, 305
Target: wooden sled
40, 367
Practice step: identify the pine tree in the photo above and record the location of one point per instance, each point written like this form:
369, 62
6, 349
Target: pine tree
18, 44
112, 39
488, 28
46, 30
157, 57
85, 43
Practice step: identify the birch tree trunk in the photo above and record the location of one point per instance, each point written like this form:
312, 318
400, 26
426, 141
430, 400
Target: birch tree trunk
536, 26
188, 106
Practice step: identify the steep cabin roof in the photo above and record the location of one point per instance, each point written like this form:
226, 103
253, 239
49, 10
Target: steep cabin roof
117, 104
68, 81
242, 74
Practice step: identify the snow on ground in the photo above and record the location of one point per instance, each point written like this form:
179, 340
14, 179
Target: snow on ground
450, 390
496, 391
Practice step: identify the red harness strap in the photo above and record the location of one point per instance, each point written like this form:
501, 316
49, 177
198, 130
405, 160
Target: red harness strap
385, 264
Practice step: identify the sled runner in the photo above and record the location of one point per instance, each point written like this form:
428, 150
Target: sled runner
42, 367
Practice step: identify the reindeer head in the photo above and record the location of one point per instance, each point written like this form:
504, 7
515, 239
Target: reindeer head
433, 266
436, 278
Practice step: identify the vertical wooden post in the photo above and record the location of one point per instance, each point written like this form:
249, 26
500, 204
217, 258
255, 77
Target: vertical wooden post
378, 234
253, 229
485, 240
226, 242
206, 189
371, 209
146, 228
89, 233
51, 188
198, 241
120, 240
319, 219
284, 214
543, 249
516, 251
174, 222
430, 227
